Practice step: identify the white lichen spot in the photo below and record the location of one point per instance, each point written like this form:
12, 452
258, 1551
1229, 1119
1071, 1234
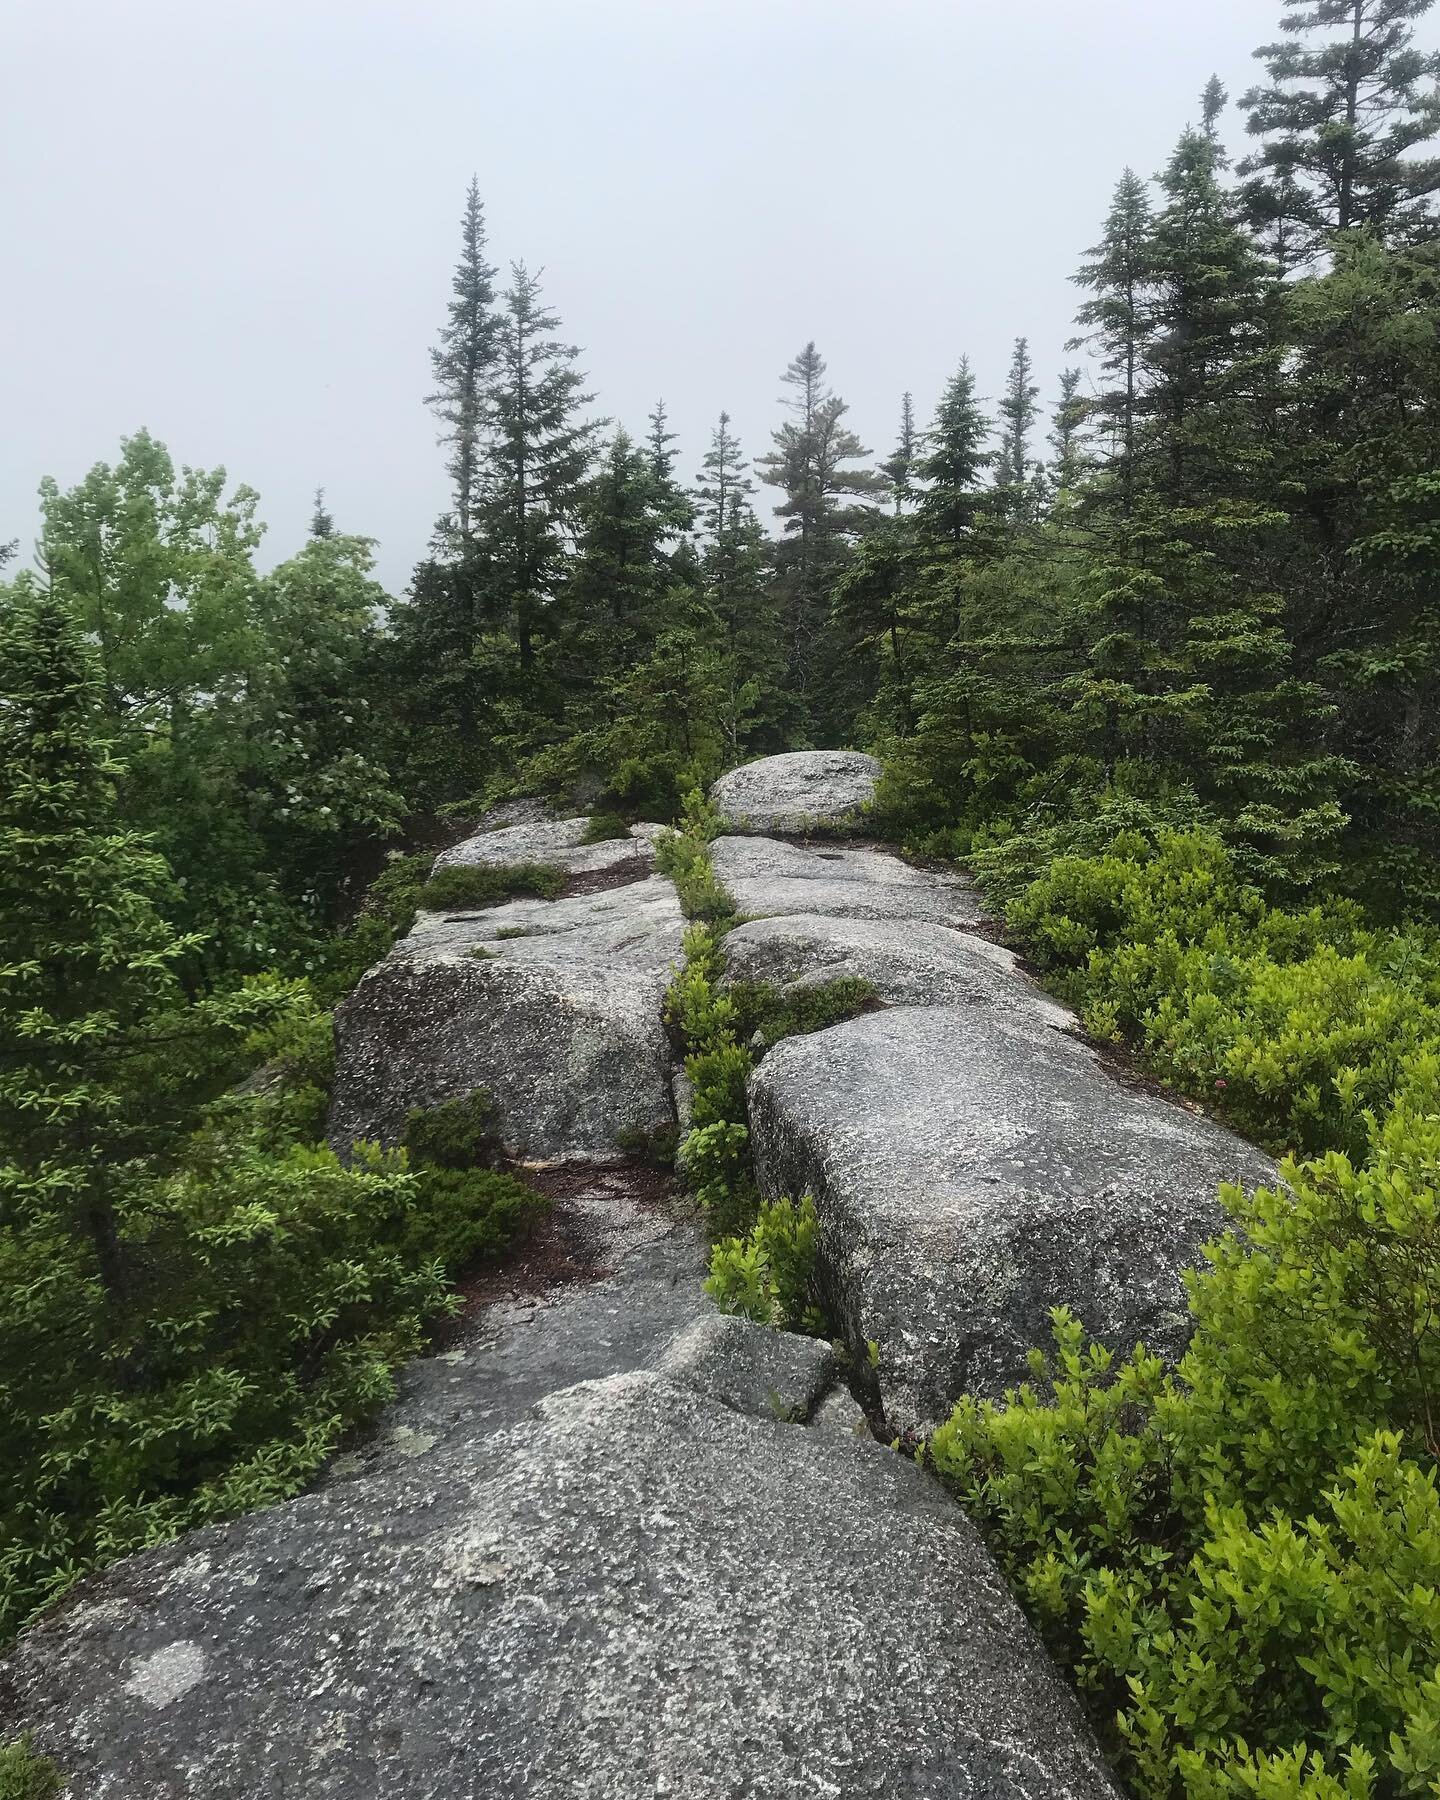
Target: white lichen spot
409, 1442
166, 1674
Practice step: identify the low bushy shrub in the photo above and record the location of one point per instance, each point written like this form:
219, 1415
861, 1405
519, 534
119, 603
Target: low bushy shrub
684, 855
1294, 1024
25, 1775
1240, 1561
387, 913
465, 1208
768, 1275
603, 827
799, 1010
474, 885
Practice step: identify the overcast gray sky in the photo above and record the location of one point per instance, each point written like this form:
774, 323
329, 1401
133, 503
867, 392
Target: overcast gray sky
234, 221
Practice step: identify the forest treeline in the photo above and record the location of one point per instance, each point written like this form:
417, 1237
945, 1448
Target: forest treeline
1159, 658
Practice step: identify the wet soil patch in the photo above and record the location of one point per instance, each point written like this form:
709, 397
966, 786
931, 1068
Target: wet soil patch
600, 881
563, 1247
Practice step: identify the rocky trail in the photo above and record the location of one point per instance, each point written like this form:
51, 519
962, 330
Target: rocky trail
608, 1542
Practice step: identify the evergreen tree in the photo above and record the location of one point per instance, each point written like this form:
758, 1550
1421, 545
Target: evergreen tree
671, 499
732, 544
620, 574
1067, 439
464, 364
899, 468
825, 508
1340, 120
322, 524
954, 460
541, 454
1017, 413
1117, 271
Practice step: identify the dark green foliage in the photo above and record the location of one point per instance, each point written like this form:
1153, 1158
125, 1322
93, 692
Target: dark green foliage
658, 1147
24, 1775
387, 913
473, 885
1340, 120
603, 827
457, 1134
800, 1009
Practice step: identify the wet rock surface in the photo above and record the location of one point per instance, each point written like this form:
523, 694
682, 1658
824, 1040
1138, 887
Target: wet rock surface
552, 1007
581, 1563
798, 791
766, 876
973, 1168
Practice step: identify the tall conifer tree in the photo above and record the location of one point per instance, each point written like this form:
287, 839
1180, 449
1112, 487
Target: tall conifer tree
1340, 119
464, 364
1017, 415
543, 448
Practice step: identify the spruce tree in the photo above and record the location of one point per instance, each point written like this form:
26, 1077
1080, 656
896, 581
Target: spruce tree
1339, 120
1118, 271
826, 506
732, 545
952, 465
899, 466
1017, 415
464, 364
541, 453
620, 572
1067, 439
322, 523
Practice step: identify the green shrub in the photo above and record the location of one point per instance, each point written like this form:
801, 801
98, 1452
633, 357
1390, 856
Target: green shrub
1295, 1024
272, 1293
801, 1009
456, 1134
657, 1147
461, 1216
387, 913
684, 855
1241, 1561
604, 826
464, 1207
25, 1775
714, 1157
474, 885
768, 1275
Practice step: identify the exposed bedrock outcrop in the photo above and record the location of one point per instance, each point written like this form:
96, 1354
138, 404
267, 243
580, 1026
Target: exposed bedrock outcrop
907, 961
798, 791
552, 1007
973, 1167
639, 1582
554, 841
769, 876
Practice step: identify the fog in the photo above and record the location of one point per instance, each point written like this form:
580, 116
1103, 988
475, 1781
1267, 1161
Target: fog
235, 224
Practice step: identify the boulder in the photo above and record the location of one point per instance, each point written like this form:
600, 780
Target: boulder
906, 961
973, 1167
767, 876
798, 791
556, 842
552, 1007
754, 1371
634, 1591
